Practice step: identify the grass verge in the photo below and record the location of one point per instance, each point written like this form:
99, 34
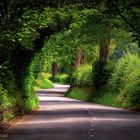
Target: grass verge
61, 79
80, 93
42, 82
103, 97
107, 98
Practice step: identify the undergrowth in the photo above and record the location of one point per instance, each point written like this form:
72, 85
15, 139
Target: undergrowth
42, 82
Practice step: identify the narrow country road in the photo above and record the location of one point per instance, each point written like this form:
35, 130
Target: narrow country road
61, 118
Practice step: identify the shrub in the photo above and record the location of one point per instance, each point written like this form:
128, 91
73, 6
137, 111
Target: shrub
5, 101
27, 85
130, 93
31, 103
83, 76
19, 100
126, 79
122, 69
61, 78
31, 70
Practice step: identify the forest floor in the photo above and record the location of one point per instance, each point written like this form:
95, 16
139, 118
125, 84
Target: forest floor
62, 118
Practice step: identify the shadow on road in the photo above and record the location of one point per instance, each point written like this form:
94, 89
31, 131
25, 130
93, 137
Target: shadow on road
61, 118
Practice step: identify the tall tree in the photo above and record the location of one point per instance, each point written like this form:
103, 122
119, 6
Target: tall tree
129, 12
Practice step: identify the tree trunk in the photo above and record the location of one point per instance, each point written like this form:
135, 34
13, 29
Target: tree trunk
54, 69
104, 49
79, 58
100, 77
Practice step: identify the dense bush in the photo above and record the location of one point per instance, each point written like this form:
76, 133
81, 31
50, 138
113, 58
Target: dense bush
5, 103
10, 96
31, 103
83, 76
126, 79
130, 93
123, 68
61, 78
30, 99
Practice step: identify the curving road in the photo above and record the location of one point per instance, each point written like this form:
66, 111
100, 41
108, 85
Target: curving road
62, 118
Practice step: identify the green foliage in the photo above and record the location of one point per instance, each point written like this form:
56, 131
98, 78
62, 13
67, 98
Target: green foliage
37, 65
31, 103
10, 97
128, 11
30, 99
80, 93
125, 78
107, 98
42, 82
19, 101
63, 47
124, 43
5, 100
61, 78
83, 76
123, 68
130, 93
101, 73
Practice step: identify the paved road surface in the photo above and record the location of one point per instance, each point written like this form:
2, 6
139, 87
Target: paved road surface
61, 118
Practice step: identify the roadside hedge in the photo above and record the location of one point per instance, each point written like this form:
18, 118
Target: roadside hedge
126, 80
83, 76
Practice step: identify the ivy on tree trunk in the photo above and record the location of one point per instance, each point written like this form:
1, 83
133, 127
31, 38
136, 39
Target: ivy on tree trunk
54, 69
104, 49
79, 58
